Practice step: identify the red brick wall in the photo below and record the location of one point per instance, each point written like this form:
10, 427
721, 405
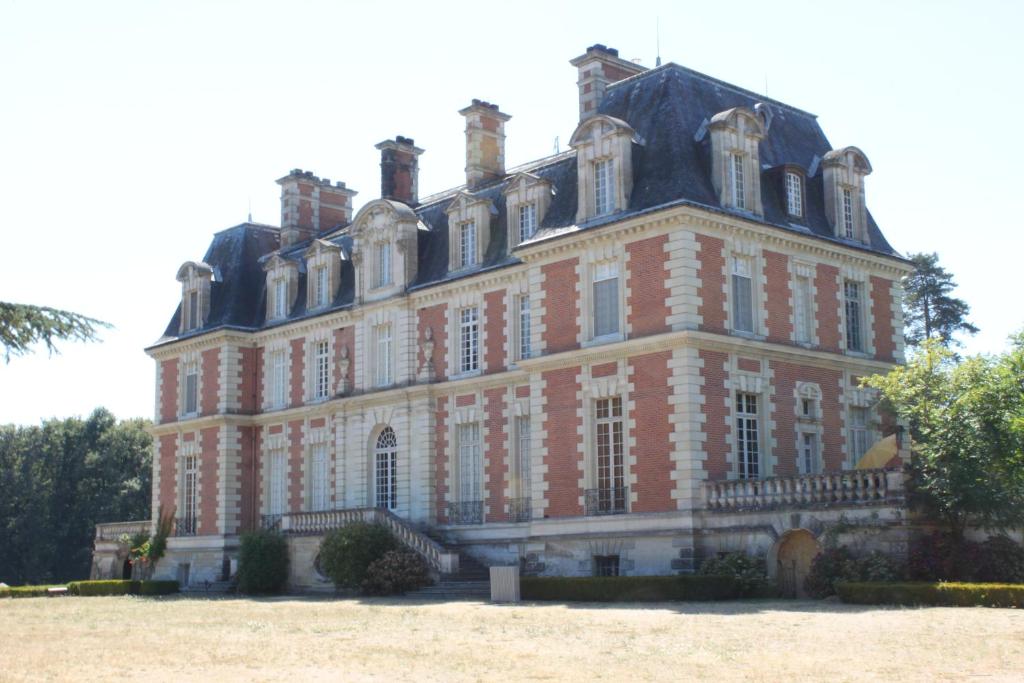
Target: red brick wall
495, 453
247, 478
563, 442
825, 282
523, 391
776, 296
881, 309
786, 447
211, 381
748, 364
463, 400
561, 305
434, 318
295, 503
251, 388
441, 458
711, 290
167, 455
298, 371
715, 411
209, 476
647, 291
604, 369
169, 390
344, 337
494, 354
654, 483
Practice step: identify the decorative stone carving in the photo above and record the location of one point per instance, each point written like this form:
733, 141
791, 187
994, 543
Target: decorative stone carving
343, 364
426, 370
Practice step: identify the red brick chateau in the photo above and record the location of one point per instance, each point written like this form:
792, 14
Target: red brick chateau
622, 358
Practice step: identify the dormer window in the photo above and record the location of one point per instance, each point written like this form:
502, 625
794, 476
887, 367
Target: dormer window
321, 288
195, 278
527, 221
603, 184
843, 171
848, 213
794, 195
467, 244
323, 265
383, 264
384, 252
527, 197
192, 318
739, 200
282, 286
604, 164
280, 298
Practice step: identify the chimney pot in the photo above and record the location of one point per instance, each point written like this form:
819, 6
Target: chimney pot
311, 206
597, 68
399, 170
485, 142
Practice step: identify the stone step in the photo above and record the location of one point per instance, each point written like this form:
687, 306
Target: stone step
208, 587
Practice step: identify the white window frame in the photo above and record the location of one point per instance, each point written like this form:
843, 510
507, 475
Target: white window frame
277, 481
848, 227
321, 286
384, 267
280, 297
523, 331
469, 340
279, 378
803, 309
523, 443
853, 316
190, 491
603, 273
384, 347
320, 475
794, 194
809, 452
321, 370
470, 462
737, 182
604, 186
527, 220
190, 389
467, 244
741, 278
860, 432
192, 316
385, 470
610, 470
747, 426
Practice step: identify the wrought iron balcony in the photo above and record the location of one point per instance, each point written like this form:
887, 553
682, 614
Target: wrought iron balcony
519, 510
185, 527
606, 501
466, 512
270, 522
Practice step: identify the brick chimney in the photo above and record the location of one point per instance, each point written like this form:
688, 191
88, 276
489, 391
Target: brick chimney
399, 170
311, 206
485, 142
598, 68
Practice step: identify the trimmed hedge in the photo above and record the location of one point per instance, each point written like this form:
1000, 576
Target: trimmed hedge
120, 587
262, 562
630, 588
942, 594
28, 591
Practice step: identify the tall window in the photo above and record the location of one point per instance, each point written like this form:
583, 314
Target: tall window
742, 296
854, 332
611, 470
794, 195
277, 485
280, 297
192, 318
748, 442
808, 445
467, 244
191, 493
469, 339
385, 467
320, 478
604, 197
383, 338
848, 213
858, 434
191, 389
736, 177
278, 378
470, 465
803, 309
321, 287
383, 264
524, 326
523, 455
606, 299
527, 221
322, 369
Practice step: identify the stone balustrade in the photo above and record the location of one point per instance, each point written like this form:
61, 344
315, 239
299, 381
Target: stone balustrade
851, 487
114, 531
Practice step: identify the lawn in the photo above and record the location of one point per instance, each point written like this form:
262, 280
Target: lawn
303, 639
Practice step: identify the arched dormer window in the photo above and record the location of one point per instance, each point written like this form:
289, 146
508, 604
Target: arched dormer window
323, 273
604, 166
384, 249
195, 278
469, 231
282, 286
844, 171
527, 198
735, 160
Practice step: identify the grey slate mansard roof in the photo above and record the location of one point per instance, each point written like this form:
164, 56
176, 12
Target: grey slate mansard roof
667, 106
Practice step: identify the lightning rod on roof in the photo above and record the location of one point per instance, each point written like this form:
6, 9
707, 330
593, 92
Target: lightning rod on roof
250, 209
657, 41
556, 145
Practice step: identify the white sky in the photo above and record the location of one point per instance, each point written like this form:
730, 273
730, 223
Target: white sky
131, 131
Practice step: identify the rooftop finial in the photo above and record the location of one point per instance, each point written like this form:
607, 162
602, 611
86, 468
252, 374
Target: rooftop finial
657, 41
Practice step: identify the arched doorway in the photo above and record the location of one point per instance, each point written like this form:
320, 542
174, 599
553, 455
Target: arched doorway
385, 470
792, 555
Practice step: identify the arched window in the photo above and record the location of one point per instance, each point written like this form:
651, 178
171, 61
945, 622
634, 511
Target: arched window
385, 470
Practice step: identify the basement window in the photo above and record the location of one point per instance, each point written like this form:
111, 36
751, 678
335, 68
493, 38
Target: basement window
606, 565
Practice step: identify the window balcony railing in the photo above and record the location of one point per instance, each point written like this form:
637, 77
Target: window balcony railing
519, 510
271, 522
466, 512
185, 527
606, 501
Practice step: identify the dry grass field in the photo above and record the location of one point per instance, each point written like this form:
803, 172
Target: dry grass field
299, 639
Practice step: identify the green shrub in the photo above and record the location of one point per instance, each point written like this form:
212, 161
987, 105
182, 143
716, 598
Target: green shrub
395, 573
157, 587
925, 593
629, 588
28, 591
262, 562
346, 553
1000, 560
750, 572
836, 564
121, 587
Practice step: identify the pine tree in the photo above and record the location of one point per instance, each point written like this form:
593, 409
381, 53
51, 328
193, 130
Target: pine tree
22, 325
929, 310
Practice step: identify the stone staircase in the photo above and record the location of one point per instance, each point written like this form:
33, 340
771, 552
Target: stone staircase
471, 582
209, 588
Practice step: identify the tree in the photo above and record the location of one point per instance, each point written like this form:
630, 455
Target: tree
966, 422
929, 310
22, 325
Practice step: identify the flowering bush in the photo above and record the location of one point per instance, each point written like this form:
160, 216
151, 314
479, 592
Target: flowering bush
347, 553
394, 573
837, 564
